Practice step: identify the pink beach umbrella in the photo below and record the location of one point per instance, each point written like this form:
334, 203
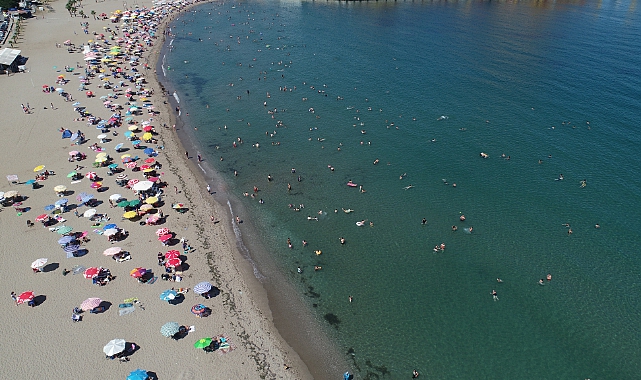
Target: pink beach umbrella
162, 231
96, 185
92, 272
165, 238
132, 182
90, 303
173, 254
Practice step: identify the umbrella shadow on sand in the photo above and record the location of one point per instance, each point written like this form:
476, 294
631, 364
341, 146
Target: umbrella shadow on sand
39, 300
178, 300
103, 307
50, 267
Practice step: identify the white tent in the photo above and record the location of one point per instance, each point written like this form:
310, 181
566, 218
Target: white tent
7, 56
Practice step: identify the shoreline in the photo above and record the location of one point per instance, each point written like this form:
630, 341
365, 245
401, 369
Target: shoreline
241, 310
281, 300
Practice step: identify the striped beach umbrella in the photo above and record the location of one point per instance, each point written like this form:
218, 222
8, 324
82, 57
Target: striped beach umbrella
202, 287
90, 303
172, 263
24, 297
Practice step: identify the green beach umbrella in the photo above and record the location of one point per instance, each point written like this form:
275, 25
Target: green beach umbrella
134, 202
64, 230
123, 203
202, 343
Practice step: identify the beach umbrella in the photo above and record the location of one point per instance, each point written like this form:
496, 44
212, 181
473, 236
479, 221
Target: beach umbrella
110, 225
136, 142
112, 251
165, 238
39, 263
38, 168
110, 232
57, 189
133, 128
24, 297
85, 197
101, 154
148, 151
101, 159
128, 134
30, 182
71, 248
119, 146
168, 295
202, 287
121, 177
170, 329
62, 201
91, 175
114, 347
66, 239
134, 202
130, 215
151, 200
112, 166
139, 374
145, 167
71, 174
130, 164
149, 160
90, 303
73, 153
92, 272
172, 263
89, 213
42, 218
204, 342
49, 207
146, 207
123, 204
143, 185
64, 230
153, 219
148, 128
137, 272
162, 231
115, 197
178, 206
96, 185
147, 136
82, 195
173, 254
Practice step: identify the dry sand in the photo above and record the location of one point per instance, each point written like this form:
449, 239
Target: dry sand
42, 342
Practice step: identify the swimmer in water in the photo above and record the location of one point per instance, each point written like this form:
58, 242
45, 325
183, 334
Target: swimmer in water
549, 277
408, 187
495, 295
424, 221
309, 217
499, 280
300, 270
541, 282
454, 228
342, 240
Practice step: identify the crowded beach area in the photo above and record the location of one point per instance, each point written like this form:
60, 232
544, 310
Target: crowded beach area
117, 259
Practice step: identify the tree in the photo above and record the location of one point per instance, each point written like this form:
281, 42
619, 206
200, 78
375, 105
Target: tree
82, 13
8, 4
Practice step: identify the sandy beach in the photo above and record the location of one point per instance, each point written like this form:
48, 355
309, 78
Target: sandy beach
42, 341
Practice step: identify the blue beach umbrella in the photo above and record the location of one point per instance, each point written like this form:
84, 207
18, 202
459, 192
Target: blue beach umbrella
139, 374
112, 166
168, 295
119, 146
136, 142
49, 207
74, 136
202, 287
71, 248
76, 104
30, 182
62, 201
66, 239
129, 133
148, 151
108, 226
86, 198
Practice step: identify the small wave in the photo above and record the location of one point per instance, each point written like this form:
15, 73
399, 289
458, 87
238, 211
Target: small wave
241, 246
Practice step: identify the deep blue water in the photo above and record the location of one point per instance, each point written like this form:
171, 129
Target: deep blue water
534, 81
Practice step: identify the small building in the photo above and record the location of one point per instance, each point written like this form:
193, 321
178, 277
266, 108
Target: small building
8, 61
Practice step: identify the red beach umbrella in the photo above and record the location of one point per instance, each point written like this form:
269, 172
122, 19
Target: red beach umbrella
25, 297
173, 254
92, 272
162, 231
164, 238
173, 262
132, 182
42, 218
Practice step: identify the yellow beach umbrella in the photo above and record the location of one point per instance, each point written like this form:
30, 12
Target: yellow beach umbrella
148, 170
125, 156
151, 200
101, 154
38, 168
133, 128
130, 214
59, 188
147, 136
101, 159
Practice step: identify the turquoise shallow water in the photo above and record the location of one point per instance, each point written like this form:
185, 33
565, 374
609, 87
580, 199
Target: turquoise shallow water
557, 83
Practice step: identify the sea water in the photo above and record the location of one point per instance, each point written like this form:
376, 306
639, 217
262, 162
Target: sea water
546, 90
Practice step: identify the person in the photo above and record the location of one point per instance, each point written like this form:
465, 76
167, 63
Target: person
14, 297
208, 189
187, 154
462, 218
342, 239
541, 282
499, 280
494, 295
29, 223
570, 231
299, 270
269, 177
289, 243
415, 374
424, 221
454, 228
549, 277
304, 243
289, 187
350, 298
597, 225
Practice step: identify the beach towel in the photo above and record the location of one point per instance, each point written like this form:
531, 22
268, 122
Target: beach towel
152, 280
126, 310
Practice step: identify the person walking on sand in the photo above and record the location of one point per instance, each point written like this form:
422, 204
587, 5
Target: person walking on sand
14, 297
208, 189
187, 154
